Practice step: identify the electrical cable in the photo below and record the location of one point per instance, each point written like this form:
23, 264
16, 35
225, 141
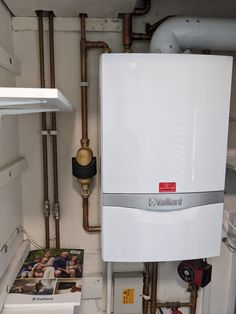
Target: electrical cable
29, 236
19, 229
225, 240
229, 222
6, 244
160, 310
229, 246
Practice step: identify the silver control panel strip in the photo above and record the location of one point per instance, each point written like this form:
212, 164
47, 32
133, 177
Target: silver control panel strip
163, 201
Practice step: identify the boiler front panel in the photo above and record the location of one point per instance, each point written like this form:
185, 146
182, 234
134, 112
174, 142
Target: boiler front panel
164, 122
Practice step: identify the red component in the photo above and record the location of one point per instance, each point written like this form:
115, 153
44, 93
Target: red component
167, 187
176, 312
197, 272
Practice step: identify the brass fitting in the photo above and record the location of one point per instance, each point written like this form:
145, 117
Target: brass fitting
56, 211
46, 208
85, 187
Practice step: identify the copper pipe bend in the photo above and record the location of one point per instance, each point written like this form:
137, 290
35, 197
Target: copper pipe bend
86, 226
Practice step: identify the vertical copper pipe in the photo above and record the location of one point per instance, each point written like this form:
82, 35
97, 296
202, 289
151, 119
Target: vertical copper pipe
57, 233
44, 129
56, 207
41, 48
193, 299
145, 288
47, 230
154, 270
127, 32
128, 35
83, 77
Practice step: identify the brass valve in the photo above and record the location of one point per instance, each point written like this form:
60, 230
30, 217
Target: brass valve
84, 166
84, 156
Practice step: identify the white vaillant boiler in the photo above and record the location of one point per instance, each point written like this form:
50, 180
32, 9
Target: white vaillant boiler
164, 125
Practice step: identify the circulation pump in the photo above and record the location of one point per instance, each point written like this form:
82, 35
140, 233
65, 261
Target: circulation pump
197, 272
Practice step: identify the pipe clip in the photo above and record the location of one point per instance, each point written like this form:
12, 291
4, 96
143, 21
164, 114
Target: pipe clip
84, 84
56, 211
146, 297
44, 132
53, 132
46, 208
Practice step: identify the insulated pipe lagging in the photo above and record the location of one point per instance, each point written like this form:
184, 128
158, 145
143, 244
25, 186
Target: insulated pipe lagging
178, 34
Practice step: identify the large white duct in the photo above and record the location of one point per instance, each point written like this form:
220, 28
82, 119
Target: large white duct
180, 33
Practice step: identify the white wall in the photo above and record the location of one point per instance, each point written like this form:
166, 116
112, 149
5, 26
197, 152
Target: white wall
10, 194
170, 287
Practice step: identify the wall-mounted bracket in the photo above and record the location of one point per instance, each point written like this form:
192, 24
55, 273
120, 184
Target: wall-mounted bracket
9, 62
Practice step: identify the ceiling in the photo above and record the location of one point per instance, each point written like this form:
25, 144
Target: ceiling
71, 8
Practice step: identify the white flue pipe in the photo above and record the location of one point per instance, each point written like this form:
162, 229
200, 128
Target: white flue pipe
178, 34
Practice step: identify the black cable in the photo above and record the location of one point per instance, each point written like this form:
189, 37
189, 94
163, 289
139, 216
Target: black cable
160, 310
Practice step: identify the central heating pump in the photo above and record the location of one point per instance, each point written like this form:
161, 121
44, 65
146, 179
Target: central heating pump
164, 125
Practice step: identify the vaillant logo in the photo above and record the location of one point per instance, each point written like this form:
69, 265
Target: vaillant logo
155, 202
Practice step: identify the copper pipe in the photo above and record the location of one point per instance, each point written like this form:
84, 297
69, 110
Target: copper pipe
128, 35
46, 205
145, 288
193, 299
47, 228
56, 206
127, 32
84, 46
51, 49
142, 11
154, 267
41, 48
86, 225
83, 77
98, 44
57, 233
176, 305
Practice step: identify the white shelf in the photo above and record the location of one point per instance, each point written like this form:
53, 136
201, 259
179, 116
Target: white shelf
31, 100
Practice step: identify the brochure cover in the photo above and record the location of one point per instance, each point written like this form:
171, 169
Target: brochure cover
48, 277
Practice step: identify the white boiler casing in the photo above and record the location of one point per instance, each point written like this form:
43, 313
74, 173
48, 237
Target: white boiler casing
164, 125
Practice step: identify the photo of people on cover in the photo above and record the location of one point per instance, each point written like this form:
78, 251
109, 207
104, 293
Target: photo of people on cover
50, 271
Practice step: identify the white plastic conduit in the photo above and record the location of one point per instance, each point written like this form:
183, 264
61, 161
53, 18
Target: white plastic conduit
178, 34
